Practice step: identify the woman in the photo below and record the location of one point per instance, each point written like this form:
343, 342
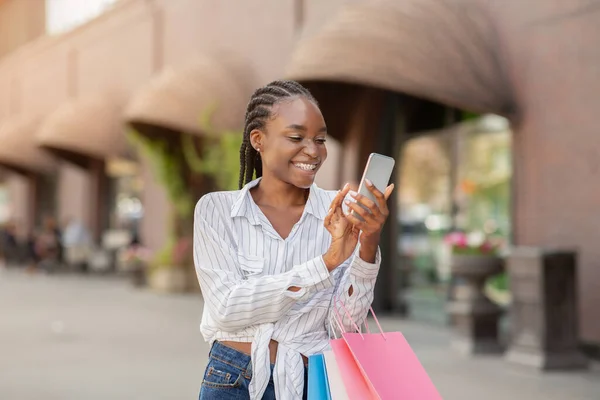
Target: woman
270, 256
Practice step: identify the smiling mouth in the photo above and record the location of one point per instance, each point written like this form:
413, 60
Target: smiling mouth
306, 167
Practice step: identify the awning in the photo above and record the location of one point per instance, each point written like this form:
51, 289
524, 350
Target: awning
85, 128
179, 98
442, 51
18, 149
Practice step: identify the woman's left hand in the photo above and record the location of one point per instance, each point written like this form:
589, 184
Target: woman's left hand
374, 214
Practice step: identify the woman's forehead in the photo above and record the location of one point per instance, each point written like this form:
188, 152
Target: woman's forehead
297, 111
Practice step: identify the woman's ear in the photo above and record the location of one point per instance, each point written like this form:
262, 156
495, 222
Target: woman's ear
256, 139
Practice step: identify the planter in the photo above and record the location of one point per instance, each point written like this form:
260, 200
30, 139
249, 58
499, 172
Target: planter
138, 277
544, 313
169, 280
475, 318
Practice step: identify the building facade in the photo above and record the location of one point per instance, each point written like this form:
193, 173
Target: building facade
71, 78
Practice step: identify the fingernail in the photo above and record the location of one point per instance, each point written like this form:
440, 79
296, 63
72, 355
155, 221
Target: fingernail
346, 185
347, 202
369, 182
353, 193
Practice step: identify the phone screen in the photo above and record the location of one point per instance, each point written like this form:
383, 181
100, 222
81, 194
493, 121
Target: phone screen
379, 171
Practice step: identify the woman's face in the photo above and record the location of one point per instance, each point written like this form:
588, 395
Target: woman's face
292, 147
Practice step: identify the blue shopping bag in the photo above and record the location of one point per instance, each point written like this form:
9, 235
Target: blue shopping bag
318, 385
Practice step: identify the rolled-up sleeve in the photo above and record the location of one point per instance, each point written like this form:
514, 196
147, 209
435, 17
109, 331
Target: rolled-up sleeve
353, 308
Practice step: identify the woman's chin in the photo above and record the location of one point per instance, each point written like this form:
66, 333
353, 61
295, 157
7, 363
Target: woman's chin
303, 178
304, 182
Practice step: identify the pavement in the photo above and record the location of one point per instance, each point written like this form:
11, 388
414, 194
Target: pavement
67, 337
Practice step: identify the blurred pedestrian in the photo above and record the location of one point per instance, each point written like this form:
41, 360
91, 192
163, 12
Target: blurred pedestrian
47, 249
76, 244
9, 243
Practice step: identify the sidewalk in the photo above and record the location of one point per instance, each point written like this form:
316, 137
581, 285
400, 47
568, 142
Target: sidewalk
78, 338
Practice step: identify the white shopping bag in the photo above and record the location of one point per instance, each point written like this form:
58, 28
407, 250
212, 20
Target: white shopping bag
336, 384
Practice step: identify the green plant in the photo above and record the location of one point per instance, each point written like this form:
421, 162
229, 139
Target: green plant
168, 166
220, 155
468, 115
215, 156
221, 160
175, 252
170, 170
163, 257
499, 282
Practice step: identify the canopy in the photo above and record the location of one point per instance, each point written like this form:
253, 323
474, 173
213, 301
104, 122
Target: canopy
443, 51
180, 97
18, 149
85, 128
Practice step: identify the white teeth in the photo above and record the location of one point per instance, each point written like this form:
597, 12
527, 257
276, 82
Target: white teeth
306, 167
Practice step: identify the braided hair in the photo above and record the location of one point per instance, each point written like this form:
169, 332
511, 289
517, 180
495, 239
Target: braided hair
259, 110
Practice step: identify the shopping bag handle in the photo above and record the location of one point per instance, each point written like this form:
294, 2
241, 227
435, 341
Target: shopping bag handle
331, 330
338, 319
341, 326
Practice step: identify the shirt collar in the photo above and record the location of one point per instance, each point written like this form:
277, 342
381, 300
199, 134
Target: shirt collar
242, 206
316, 205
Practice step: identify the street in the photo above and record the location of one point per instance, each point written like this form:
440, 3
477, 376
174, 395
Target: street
67, 337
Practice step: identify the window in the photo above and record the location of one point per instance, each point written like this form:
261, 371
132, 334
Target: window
64, 15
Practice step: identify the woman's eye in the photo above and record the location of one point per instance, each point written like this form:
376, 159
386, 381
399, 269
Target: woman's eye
321, 141
295, 139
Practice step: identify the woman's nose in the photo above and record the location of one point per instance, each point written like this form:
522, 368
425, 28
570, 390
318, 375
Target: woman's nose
311, 149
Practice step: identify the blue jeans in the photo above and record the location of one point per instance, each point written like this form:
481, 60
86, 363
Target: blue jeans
228, 375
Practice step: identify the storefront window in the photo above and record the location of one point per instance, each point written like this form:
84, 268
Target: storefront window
484, 175
459, 178
64, 15
424, 213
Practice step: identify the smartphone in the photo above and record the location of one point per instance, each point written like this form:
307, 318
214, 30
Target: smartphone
379, 171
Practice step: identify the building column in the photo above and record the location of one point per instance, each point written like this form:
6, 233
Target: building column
98, 198
32, 213
389, 283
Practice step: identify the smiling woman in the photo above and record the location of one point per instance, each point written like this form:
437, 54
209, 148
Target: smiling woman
270, 257
299, 136
302, 107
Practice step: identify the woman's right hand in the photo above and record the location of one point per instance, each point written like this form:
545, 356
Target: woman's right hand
344, 236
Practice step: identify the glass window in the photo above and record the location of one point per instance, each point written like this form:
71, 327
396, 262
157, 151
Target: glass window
64, 15
456, 178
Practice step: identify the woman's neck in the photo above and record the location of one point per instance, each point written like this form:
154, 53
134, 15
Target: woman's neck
274, 193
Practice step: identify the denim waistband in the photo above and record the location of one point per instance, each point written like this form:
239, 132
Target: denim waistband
233, 357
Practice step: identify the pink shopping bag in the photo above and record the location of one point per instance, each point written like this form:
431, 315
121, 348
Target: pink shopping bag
356, 386
387, 364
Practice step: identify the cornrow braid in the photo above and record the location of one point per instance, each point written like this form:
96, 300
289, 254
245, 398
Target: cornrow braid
258, 111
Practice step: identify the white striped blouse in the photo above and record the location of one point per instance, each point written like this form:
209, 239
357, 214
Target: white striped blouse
245, 268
